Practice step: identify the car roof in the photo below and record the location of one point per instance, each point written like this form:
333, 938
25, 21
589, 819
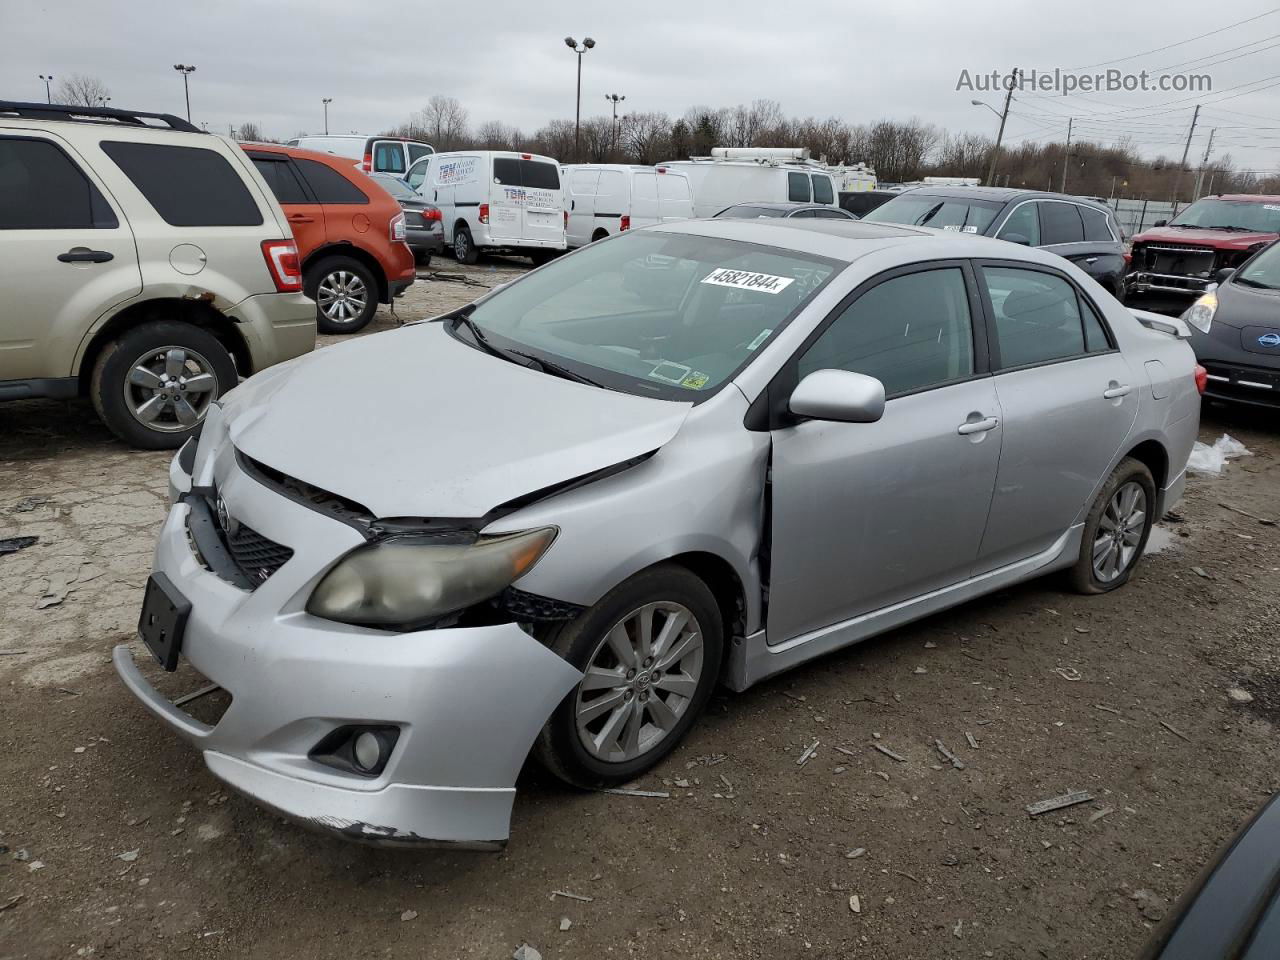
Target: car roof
998, 194
778, 204
848, 240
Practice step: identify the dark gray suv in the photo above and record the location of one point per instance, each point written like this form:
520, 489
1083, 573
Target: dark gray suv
1082, 231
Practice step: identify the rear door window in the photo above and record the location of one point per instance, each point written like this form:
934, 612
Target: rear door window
328, 185
284, 183
506, 170
539, 174
1037, 315
1096, 227
673, 188
417, 152
822, 192
798, 188
41, 188
582, 183
1060, 223
388, 156
187, 186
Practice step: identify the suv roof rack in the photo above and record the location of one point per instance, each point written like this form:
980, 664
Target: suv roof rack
60, 111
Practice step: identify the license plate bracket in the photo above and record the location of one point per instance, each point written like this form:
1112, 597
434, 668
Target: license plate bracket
163, 620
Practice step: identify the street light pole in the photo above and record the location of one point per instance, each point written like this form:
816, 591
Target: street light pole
186, 71
1004, 116
615, 99
326, 101
572, 44
48, 97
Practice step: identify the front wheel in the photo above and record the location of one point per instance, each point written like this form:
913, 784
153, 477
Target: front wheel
154, 385
650, 654
1116, 530
539, 257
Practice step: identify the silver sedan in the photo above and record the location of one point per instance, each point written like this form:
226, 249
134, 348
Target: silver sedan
698, 453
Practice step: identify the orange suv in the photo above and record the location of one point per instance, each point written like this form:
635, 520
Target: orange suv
349, 231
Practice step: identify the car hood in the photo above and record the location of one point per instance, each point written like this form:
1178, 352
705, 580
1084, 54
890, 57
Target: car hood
413, 423
1219, 239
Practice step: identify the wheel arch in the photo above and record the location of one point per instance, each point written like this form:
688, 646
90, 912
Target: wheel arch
460, 224
599, 234
1152, 453
359, 254
196, 312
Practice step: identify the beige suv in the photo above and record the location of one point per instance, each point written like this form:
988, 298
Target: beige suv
145, 264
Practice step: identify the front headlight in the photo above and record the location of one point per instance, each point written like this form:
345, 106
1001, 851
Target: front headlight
1200, 314
408, 581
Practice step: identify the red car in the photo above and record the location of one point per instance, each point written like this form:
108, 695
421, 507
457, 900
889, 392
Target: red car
1175, 262
350, 233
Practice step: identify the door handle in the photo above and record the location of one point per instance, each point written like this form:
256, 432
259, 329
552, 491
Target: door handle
977, 426
301, 218
1116, 390
85, 256
1090, 259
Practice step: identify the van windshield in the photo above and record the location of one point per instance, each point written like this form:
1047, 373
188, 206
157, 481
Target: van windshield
654, 314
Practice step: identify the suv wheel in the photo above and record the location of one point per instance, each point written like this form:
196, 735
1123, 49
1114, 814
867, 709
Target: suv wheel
345, 293
464, 248
153, 386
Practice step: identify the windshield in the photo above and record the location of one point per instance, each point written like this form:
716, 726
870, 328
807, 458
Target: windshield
1263, 270
946, 213
745, 210
650, 313
1213, 214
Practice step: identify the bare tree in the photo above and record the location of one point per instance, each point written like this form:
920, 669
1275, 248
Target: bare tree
597, 140
645, 137
445, 121
81, 90
555, 139
748, 124
496, 135
250, 132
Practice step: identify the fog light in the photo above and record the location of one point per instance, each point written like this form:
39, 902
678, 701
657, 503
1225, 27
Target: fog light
368, 751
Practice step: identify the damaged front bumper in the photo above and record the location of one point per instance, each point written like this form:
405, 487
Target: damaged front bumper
467, 702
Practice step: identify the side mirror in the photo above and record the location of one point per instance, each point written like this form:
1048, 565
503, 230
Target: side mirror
839, 395
1017, 238
1223, 275
1160, 223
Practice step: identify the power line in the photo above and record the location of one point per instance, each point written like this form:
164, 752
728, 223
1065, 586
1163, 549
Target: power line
1134, 56
1184, 63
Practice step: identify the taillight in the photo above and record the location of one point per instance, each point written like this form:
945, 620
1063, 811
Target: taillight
282, 264
625, 224
367, 163
1202, 379
1128, 259
397, 227
566, 219
431, 214
484, 213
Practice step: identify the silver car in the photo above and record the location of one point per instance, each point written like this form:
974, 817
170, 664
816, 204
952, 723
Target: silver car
694, 454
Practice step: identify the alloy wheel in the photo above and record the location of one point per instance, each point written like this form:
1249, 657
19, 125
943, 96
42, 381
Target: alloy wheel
639, 682
342, 296
169, 390
1115, 545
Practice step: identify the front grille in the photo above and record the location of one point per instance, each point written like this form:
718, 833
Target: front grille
1177, 259
258, 557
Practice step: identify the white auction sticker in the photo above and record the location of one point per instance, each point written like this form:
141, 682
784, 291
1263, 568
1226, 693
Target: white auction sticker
743, 280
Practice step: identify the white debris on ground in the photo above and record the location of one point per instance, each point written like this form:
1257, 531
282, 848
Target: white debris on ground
1211, 459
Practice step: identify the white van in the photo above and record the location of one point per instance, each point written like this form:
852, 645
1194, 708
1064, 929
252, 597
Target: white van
494, 200
776, 175
606, 198
392, 155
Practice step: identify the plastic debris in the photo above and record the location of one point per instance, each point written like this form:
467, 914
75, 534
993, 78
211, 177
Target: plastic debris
1099, 814
973, 743
855, 904
526, 952
565, 924
1174, 730
14, 544
1211, 459
581, 898
409, 915
624, 792
889, 753
1068, 673
1239, 695
808, 752
129, 855
855, 853
951, 757
1057, 803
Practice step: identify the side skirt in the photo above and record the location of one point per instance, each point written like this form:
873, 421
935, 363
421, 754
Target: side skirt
753, 658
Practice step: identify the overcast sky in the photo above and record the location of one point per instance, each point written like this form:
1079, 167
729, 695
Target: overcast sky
272, 62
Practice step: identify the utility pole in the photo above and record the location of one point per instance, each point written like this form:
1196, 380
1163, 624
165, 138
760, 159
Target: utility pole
614, 99
326, 101
48, 97
1004, 116
186, 71
1204, 162
1066, 157
1177, 179
572, 44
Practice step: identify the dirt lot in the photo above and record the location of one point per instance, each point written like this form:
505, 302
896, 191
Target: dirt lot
117, 843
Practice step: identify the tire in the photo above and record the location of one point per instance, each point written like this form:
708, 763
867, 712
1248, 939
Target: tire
1128, 544
539, 257
345, 292
424, 259
464, 248
176, 354
561, 748
599, 235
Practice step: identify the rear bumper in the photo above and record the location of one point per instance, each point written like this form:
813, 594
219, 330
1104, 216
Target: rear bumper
276, 327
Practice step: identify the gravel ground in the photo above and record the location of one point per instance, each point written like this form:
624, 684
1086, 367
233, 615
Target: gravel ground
116, 841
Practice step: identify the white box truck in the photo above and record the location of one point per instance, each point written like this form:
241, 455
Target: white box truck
494, 200
754, 174
603, 199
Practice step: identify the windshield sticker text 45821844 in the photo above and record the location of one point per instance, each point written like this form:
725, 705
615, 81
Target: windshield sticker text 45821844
745, 280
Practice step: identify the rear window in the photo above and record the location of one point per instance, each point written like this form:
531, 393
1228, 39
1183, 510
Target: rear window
1060, 223
388, 156
526, 173
798, 188
506, 170
328, 185
1095, 224
417, 152
187, 186
284, 183
746, 211
822, 192
42, 189
947, 213
673, 188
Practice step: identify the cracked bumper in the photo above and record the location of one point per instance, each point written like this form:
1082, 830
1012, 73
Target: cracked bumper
468, 702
